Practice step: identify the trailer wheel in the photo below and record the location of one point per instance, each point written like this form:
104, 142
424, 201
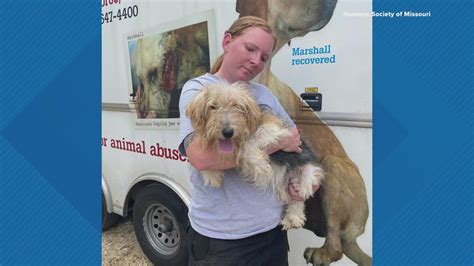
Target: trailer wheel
160, 221
108, 219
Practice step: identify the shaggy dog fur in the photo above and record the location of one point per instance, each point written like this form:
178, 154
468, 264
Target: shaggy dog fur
164, 63
228, 119
339, 209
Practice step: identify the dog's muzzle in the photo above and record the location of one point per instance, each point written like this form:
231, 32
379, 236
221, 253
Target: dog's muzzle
227, 133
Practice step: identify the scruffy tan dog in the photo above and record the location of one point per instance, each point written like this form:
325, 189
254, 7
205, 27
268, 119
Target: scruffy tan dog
228, 119
339, 210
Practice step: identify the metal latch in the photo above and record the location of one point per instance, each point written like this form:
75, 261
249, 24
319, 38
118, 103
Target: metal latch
313, 98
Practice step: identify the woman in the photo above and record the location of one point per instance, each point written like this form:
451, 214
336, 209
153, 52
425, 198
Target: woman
236, 224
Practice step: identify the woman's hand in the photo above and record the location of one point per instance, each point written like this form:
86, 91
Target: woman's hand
291, 143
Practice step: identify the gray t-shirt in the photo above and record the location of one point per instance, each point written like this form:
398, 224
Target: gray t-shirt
237, 209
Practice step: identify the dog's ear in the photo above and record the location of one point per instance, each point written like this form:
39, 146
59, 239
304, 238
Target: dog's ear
252, 110
254, 113
258, 8
197, 110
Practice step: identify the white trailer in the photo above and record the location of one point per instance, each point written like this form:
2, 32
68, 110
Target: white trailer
144, 175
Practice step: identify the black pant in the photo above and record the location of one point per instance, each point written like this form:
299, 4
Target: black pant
269, 248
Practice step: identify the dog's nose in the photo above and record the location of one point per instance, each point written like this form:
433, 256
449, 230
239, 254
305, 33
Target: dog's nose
228, 133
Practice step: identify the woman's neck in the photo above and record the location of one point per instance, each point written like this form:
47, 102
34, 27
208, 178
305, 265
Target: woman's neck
220, 74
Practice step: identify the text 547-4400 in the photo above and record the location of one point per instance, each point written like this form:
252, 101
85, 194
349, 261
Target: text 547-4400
119, 14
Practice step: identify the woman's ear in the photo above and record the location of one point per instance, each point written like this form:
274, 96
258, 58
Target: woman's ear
226, 41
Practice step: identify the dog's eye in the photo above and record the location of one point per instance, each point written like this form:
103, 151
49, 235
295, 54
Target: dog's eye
237, 108
241, 110
153, 75
213, 107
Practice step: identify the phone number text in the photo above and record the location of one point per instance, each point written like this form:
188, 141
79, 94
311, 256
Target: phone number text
120, 14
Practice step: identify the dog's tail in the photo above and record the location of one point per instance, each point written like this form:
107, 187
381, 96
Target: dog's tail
352, 250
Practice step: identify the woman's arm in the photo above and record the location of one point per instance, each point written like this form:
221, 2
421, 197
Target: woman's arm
204, 158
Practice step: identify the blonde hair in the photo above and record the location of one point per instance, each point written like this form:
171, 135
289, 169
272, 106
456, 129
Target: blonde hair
238, 28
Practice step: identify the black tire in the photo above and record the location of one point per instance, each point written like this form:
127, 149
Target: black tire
108, 219
160, 221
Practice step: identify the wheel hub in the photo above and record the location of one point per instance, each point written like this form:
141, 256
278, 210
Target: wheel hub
161, 228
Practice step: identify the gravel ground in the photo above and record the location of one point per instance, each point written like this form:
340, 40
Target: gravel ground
120, 246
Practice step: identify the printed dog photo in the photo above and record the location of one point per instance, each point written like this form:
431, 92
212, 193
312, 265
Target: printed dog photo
162, 63
227, 118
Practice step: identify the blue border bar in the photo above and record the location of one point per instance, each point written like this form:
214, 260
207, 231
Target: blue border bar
50, 68
423, 149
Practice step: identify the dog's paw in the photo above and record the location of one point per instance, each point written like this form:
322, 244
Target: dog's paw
213, 178
263, 170
261, 175
215, 182
312, 175
255, 165
293, 221
305, 190
318, 256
